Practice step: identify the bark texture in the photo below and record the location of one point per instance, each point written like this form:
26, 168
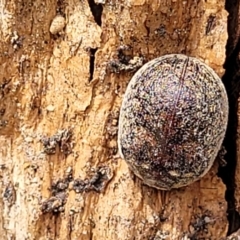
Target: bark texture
64, 68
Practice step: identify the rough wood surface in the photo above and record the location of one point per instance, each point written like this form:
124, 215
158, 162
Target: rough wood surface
60, 174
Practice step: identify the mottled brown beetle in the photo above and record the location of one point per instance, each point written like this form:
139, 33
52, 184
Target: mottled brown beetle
172, 121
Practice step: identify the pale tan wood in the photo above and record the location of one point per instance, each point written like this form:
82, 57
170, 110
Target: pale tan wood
45, 87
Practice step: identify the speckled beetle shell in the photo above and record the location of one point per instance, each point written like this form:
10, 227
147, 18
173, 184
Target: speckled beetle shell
172, 121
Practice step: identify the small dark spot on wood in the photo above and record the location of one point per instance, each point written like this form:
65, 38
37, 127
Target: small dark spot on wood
97, 181
2, 111
62, 140
54, 204
61, 6
5, 87
199, 224
161, 31
112, 124
124, 61
211, 24
3, 166
92, 62
10, 194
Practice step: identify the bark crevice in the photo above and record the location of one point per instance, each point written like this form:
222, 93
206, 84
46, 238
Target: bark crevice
231, 81
92, 62
96, 10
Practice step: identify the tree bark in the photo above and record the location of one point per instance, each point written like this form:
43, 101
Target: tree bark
65, 66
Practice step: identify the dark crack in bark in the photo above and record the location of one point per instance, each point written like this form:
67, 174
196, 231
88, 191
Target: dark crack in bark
231, 80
